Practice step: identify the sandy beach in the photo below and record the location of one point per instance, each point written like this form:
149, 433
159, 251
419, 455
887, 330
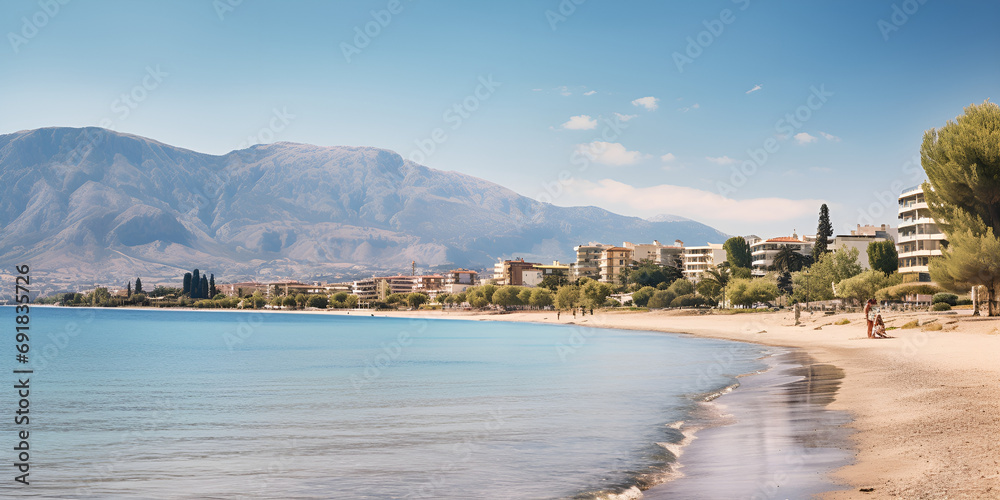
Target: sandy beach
924, 404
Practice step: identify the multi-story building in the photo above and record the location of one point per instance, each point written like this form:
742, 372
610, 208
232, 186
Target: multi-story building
919, 238
762, 252
860, 238
656, 252
697, 260
587, 263
613, 260
461, 277
511, 272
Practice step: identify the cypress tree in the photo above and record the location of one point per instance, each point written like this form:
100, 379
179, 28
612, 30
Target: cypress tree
195, 285
204, 287
212, 291
187, 283
128, 289
823, 233
138, 285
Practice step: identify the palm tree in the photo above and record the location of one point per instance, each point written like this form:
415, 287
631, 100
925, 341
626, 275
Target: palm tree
788, 260
720, 275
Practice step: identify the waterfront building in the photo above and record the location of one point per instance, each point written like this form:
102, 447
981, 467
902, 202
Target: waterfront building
919, 238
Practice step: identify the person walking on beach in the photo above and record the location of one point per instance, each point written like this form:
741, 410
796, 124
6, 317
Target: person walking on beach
870, 316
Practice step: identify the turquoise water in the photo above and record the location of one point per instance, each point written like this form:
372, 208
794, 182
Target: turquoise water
187, 404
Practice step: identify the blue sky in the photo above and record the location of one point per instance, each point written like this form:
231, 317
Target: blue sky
574, 101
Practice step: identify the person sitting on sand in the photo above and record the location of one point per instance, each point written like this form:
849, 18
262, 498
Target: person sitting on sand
870, 316
879, 330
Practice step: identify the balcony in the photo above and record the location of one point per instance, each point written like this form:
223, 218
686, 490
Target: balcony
920, 253
920, 237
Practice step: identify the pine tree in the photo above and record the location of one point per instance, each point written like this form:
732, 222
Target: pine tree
823, 233
128, 289
738, 252
187, 283
138, 285
204, 287
212, 292
196, 285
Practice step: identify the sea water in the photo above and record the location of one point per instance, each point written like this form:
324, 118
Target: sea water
195, 404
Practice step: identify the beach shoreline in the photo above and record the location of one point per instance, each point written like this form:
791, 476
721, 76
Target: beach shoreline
923, 404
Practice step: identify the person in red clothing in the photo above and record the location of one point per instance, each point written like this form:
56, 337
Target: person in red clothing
870, 316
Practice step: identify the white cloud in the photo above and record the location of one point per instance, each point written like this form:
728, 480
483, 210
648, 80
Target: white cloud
830, 137
667, 158
650, 103
564, 90
754, 89
721, 160
689, 108
689, 202
804, 138
536, 90
590, 92
581, 122
625, 118
609, 153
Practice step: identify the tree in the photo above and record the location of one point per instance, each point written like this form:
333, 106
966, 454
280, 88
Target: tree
554, 281
128, 289
963, 192
863, 286
187, 283
394, 298
351, 301
882, 256
642, 296
257, 299
541, 297
784, 282
823, 233
681, 287
788, 260
211, 286
196, 284
594, 293
738, 252
488, 290
288, 301
567, 297
524, 296
318, 301
506, 296
138, 286
204, 287
708, 289
417, 299
661, 299
746, 293
817, 282
649, 273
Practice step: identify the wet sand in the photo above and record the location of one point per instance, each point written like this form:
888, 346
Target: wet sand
775, 437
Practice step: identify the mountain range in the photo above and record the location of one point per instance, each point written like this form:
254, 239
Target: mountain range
89, 206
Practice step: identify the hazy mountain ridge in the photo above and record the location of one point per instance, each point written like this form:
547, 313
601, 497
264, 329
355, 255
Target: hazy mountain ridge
134, 206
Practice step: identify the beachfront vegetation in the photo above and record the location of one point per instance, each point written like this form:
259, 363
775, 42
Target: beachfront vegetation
648, 273
746, 293
824, 230
882, 256
818, 281
862, 287
948, 298
963, 193
738, 252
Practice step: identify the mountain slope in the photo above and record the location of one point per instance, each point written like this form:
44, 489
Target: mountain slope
93, 206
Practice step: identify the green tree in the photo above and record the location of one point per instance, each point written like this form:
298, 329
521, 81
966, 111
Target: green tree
962, 164
196, 284
649, 273
541, 297
642, 296
288, 301
824, 230
524, 296
862, 287
661, 299
128, 289
488, 290
211, 285
204, 287
187, 283
594, 293
395, 298
442, 298
300, 300
738, 252
817, 282
351, 301
720, 275
882, 256
708, 289
138, 286
554, 281
681, 287
506, 296
568, 297
318, 301
257, 300
417, 299
788, 260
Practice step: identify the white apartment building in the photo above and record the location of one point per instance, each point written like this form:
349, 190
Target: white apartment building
860, 238
763, 251
697, 260
919, 237
588, 261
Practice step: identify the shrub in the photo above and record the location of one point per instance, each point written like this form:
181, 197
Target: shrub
933, 328
688, 300
947, 298
844, 321
941, 306
964, 302
661, 299
911, 324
